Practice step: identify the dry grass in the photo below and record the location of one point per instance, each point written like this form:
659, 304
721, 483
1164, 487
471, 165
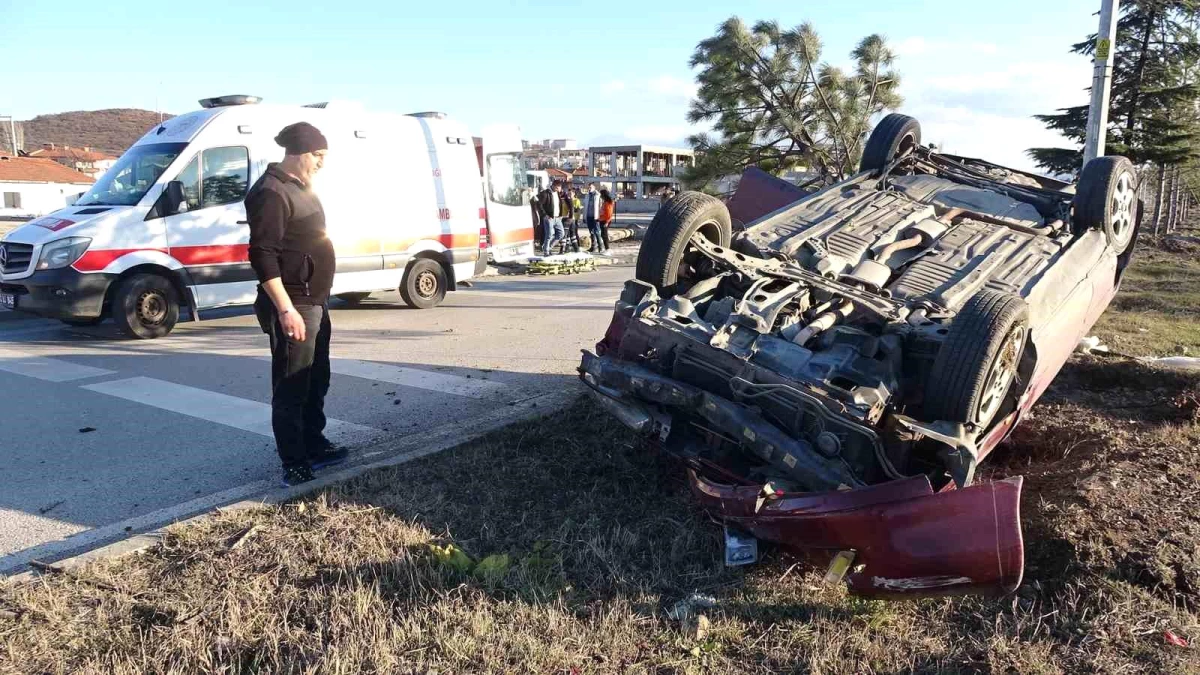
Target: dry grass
1158, 309
603, 540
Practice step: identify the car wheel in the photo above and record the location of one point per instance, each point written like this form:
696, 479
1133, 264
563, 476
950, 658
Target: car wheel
352, 298
1106, 199
145, 306
424, 284
82, 323
666, 258
978, 362
893, 136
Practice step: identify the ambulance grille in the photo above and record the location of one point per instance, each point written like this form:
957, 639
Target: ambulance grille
17, 257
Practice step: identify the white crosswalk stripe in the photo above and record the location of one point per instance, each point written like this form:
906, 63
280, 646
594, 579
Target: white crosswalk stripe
51, 370
230, 411
442, 383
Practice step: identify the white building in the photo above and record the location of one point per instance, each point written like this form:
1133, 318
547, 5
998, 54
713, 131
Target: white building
639, 171
32, 187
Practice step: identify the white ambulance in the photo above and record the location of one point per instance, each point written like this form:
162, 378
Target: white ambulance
411, 203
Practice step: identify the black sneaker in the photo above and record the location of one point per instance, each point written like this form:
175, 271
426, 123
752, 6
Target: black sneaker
295, 475
329, 456
323, 452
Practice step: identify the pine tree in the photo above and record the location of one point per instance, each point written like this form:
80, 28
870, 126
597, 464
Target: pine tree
1151, 85
774, 105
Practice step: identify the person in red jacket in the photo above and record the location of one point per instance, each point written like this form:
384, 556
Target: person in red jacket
607, 209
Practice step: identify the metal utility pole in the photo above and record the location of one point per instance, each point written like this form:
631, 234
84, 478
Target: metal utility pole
1106, 39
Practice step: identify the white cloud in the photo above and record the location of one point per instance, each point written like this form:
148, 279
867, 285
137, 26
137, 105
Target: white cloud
612, 86
982, 108
919, 46
658, 90
672, 87
1002, 139
912, 46
661, 133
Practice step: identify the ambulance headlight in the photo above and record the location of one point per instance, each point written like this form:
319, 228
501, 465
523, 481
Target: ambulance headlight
59, 254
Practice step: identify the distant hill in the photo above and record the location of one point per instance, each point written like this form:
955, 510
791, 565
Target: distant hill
111, 131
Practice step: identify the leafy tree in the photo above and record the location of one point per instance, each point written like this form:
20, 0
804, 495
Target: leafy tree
775, 105
1152, 89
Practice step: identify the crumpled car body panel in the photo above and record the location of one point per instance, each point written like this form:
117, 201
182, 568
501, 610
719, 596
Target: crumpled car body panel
908, 540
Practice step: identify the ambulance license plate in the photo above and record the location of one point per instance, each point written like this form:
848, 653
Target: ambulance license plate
8, 300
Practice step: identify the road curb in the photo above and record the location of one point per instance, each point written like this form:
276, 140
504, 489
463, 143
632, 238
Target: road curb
443, 438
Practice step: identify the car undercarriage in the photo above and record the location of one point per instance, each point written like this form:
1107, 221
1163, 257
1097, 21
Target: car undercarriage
881, 332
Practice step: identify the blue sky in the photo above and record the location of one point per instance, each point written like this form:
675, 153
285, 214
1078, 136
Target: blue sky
600, 71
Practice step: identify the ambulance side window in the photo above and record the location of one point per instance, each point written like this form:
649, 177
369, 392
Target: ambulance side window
506, 179
190, 177
226, 175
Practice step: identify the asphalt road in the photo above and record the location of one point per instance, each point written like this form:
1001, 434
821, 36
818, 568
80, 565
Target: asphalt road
99, 434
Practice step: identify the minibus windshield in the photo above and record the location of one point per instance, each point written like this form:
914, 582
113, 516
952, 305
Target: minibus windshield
132, 176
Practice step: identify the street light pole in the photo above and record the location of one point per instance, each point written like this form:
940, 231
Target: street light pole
1106, 39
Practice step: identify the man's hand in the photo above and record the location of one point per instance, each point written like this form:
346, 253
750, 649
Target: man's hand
289, 318
293, 324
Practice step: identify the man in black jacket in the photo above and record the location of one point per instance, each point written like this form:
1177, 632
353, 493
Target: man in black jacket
294, 261
553, 210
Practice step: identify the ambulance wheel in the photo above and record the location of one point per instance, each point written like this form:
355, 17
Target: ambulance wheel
353, 298
145, 306
424, 284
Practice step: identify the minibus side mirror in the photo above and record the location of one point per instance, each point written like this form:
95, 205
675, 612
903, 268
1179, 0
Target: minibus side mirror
176, 202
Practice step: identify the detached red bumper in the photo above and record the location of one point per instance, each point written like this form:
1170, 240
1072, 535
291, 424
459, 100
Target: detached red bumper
908, 540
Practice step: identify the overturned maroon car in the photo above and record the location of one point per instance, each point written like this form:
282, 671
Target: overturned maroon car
832, 372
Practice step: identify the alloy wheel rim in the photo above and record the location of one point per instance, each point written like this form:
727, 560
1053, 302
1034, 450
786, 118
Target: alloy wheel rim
1000, 376
1122, 208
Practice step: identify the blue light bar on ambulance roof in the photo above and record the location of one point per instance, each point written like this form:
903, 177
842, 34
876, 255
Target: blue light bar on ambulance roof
236, 99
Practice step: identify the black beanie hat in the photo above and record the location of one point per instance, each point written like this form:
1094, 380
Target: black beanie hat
301, 138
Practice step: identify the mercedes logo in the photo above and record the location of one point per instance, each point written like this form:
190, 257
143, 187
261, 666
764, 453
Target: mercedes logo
3, 256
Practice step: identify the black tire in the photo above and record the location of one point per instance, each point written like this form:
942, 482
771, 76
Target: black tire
145, 306
424, 285
352, 298
894, 134
82, 323
1106, 199
985, 343
666, 241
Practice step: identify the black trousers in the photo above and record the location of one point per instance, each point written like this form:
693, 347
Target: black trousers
299, 380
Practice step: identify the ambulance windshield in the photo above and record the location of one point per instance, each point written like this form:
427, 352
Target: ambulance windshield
132, 176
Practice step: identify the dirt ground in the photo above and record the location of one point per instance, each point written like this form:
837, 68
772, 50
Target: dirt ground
564, 546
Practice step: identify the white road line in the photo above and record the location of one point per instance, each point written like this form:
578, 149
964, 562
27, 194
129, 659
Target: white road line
230, 411
444, 383
51, 370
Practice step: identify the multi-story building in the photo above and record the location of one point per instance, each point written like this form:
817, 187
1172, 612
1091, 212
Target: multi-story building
639, 171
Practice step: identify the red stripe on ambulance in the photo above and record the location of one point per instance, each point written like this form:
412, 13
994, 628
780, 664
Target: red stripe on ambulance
211, 255
94, 261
